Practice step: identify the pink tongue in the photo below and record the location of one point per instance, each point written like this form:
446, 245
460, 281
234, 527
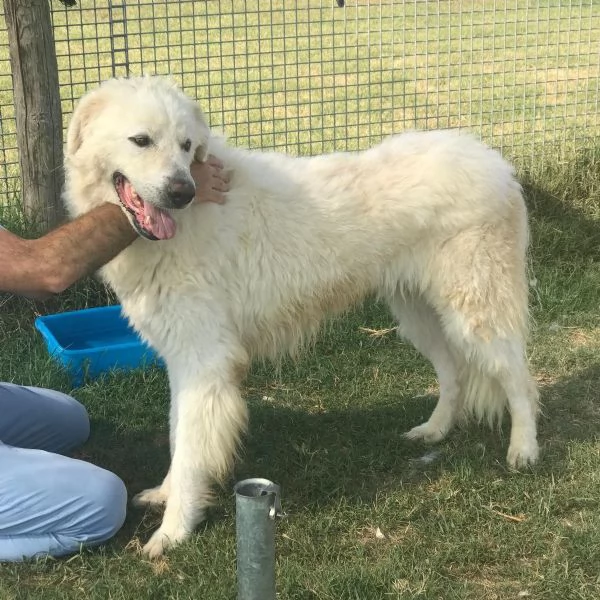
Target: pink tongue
161, 223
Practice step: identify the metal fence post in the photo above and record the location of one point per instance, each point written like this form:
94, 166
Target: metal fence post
257, 504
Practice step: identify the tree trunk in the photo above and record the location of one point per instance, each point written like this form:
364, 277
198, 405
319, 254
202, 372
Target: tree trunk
37, 108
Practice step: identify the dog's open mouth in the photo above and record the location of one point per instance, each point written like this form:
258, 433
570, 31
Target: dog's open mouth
151, 222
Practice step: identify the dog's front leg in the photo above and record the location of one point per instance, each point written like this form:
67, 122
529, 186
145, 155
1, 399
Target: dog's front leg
211, 416
156, 497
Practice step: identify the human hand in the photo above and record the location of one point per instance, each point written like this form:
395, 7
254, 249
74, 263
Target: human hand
212, 182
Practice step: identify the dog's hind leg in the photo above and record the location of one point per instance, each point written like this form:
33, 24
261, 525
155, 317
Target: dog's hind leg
480, 293
501, 376
523, 401
211, 416
479, 375
418, 323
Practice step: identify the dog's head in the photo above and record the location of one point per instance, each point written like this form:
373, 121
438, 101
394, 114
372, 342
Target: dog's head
137, 138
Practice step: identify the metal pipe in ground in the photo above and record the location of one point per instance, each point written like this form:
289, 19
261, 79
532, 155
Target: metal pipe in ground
257, 504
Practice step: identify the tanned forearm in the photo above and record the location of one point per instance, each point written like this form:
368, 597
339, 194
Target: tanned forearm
49, 265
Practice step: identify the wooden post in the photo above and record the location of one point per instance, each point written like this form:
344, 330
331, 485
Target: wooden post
37, 108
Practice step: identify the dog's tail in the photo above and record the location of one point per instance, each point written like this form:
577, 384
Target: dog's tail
483, 397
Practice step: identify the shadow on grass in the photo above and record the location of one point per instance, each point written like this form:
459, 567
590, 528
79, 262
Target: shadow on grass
317, 458
564, 209
571, 413
352, 455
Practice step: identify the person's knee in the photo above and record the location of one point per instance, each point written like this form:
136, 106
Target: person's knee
41, 418
55, 505
69, 418
77, 424
107, 497
101, 509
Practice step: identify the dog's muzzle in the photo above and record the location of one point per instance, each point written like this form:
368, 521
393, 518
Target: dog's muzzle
179, 192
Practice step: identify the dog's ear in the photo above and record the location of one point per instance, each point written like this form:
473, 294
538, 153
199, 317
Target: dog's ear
201, 153
84, 112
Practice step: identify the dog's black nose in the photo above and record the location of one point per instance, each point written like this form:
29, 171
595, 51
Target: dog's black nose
180, 192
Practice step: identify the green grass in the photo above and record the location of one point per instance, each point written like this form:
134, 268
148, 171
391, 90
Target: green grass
328, 429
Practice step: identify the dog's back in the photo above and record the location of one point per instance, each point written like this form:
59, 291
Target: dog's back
300, 238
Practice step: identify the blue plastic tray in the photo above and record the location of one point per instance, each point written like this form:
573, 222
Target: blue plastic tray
94, 341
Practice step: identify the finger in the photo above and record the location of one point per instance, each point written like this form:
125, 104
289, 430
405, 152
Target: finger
220, 185
213, 161
217, 198
211, 196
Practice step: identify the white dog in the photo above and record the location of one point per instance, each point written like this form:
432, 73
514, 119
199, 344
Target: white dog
432, 222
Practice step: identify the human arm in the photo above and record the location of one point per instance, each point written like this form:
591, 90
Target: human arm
49, 265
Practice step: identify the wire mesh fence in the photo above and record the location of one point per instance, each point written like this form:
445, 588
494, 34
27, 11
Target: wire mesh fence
312, 77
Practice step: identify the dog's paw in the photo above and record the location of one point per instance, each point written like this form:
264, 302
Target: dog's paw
426, 432
523, 453
161, 541
152, 497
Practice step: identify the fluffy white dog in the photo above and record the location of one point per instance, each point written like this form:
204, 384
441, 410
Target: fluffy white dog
433, 223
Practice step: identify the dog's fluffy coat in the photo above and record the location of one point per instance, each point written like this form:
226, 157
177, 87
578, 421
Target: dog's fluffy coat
433, 223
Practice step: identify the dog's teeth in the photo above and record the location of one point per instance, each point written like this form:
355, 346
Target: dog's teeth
147, 220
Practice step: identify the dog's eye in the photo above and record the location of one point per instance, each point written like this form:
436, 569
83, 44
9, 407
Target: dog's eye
186, 145
140, 140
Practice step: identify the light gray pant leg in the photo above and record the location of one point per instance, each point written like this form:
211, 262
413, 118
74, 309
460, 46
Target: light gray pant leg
33, 417
50, 504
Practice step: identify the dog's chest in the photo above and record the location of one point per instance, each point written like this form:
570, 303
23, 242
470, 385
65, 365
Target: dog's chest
144, 280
